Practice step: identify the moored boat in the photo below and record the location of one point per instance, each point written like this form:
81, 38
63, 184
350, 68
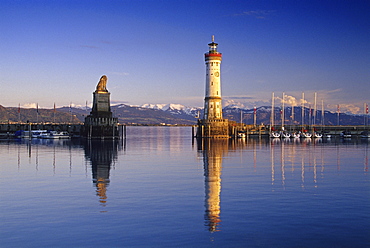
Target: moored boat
241, 134
285, 135
306, 135
294, 135
345, 134
29, 134
365, 134
55, 135
317, 135
274, 135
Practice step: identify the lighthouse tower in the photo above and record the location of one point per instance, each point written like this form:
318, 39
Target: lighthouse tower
213, 125
212, 100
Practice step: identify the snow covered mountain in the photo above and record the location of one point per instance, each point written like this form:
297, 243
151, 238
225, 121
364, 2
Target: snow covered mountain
177, 110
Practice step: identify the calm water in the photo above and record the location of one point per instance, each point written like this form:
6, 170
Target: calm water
159, 189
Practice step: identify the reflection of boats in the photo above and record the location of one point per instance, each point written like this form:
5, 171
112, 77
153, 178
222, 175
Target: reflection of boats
365, 134
241, 134
306, 135
345, 134
54, 135
275, 135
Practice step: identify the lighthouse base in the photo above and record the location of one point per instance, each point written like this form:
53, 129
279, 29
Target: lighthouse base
213, 128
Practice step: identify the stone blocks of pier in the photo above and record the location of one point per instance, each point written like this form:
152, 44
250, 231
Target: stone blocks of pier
213, 128
100, 124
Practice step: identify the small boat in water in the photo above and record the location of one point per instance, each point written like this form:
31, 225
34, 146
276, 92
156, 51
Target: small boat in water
306, 135
55, 135
345, 134
294, 135
317, 135
365, 134
325, 134
274, 135
29, 134
241, 134
285, 135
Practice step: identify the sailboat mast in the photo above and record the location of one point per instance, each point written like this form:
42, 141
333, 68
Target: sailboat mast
314, 110
272, 109
282, 113
302, 122
322, 113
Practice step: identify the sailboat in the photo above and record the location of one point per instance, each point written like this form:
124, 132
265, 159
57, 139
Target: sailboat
273, 134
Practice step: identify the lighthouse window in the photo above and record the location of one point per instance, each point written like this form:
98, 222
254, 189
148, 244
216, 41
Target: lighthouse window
211, 83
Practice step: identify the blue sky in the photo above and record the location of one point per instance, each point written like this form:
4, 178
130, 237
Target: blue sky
153, 51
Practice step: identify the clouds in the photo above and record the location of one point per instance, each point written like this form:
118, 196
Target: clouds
29, 105
259, 14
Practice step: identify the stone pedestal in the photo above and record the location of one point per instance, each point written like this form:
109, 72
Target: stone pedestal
101, 103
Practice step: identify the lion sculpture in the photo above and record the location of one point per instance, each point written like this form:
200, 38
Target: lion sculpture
102, 85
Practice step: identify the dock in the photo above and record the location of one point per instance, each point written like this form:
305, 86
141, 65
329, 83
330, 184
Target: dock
75, 130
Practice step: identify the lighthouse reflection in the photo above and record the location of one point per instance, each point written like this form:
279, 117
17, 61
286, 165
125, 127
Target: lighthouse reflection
101, 154
213, 151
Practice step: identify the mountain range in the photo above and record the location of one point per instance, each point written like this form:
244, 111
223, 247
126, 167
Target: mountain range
176, 114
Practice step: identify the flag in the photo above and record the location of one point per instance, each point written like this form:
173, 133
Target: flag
19, 108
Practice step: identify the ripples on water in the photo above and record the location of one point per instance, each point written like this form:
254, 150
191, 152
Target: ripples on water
161, 188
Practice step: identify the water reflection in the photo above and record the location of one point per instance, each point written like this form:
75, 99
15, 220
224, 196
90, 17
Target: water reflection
213, 152
102, 155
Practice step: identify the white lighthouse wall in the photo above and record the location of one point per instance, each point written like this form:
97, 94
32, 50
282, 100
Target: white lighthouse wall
213, 83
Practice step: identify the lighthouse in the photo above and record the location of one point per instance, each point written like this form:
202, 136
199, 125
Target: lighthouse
212, 100
213, 125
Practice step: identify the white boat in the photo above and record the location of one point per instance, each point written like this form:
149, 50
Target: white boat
275, 135
365, 134
317, 135
27, 134
241, 134
294, 135
55, 135
306, 135
345, 134
285, 135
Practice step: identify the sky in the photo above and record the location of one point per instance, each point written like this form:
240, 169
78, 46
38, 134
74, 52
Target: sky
152, 51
